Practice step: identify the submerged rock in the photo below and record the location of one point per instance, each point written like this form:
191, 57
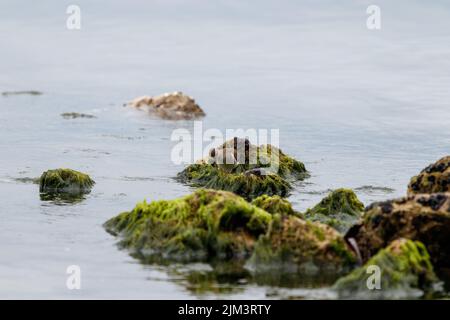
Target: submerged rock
245, 169
65, 181
340, 209
295, 246
76, 115
205, 225
424, 218
405, 271
432, 179
15, 93
171, 106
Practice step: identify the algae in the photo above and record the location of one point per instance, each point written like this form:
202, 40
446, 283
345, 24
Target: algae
218, 227
340, 209
205, 225
245, 169
293, 245
69, 181
405, 272
274, 204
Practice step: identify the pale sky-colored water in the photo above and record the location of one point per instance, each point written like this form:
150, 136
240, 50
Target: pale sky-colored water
359, 107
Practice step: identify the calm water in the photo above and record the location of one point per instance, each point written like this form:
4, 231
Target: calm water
363, 109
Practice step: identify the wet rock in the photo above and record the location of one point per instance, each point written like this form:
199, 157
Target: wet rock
424, 218
405, 271
171, 106
67, 181
340, 209
16, 93
295, 246
219, 226
245, 185
76, 115
245, 169
434, 178
205, 225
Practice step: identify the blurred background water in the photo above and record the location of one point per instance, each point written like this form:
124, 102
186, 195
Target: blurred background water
363, 109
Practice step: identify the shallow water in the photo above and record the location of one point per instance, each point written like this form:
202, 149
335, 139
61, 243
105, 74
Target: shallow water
363, 109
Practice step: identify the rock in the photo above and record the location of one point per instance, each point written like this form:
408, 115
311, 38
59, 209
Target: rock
405, 272
76, 115
65, 181
219, 226
424, 218
295, 246
246, 170
274, 204
224, 159
432, 179
205, 225
16, 93
247, 186
171, 106
340, 209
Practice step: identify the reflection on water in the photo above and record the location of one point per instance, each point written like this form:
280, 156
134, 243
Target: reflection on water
221, 277
62, 199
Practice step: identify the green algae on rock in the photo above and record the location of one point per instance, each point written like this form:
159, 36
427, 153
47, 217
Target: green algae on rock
293, 245
248, 185
217, 226
65, 181
432, 179
423, 217
205, 225
405, 271
340, 210
274, 204
245, 169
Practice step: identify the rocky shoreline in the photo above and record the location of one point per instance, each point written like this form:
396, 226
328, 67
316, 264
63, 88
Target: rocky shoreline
239, 215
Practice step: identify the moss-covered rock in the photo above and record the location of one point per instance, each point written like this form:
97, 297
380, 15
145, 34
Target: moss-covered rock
66, 181
404, 268
424, 218
170, 106
205, 225
274, 204
432, 179
219, 226
245, 169
248, 185
293, 245
340, 210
